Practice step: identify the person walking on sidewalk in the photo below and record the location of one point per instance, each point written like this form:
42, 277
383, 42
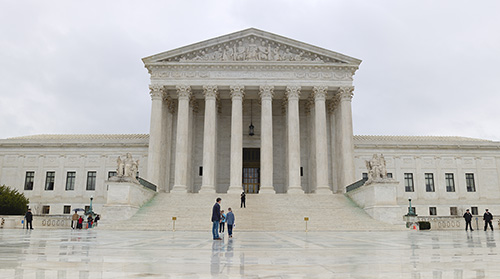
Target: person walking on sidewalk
230, 222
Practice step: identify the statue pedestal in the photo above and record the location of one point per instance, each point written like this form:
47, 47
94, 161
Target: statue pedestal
379, 200
125, 197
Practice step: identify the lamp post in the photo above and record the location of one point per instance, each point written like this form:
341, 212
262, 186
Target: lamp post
410, 209
90, 209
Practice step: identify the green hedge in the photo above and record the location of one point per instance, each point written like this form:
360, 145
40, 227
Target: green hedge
12, 202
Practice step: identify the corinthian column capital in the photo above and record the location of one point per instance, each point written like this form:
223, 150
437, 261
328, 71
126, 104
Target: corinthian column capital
319, 92
156, 91
210, 91
237, 91
346, 92
293, 92
184, 91
266, 92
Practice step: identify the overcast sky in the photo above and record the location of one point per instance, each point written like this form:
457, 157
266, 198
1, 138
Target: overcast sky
74, 67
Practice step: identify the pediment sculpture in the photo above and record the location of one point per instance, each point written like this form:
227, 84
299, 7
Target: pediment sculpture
252, 48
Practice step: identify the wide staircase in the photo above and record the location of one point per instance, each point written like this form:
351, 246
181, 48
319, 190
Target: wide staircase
263, 212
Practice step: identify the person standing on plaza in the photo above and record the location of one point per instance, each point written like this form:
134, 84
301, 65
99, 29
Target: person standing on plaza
222, 221
216, 219
243, 200
74, 220
90, 220
487, 217
230, 222
80, 223
468, 219
29, 219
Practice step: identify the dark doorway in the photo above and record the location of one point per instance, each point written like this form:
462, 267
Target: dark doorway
251, 170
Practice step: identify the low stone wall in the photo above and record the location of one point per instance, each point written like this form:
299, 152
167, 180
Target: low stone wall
455, 222
39, 221
124, 199
378, 199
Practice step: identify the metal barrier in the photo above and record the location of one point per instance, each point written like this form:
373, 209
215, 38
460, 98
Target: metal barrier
146, 183
356, 185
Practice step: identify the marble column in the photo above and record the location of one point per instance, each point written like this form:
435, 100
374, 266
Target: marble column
346, 145
209, 139
332, 105
155, 136
294, 179
236, 170
166, 143
320, 137
266, 144
182, 140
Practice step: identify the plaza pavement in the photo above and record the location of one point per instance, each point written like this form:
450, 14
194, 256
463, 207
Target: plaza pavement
99, 253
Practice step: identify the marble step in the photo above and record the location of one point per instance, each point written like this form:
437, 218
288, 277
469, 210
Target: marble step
263, 212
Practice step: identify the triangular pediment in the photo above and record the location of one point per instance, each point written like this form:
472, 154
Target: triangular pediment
251, 45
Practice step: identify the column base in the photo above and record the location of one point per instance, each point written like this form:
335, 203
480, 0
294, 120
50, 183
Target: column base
323, 190
295, 190
207, 189
178, 189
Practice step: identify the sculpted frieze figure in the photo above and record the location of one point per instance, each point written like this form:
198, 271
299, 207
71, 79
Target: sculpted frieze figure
252, 49
126, 170
377, 170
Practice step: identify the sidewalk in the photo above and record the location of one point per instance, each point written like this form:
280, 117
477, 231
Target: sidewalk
166, 254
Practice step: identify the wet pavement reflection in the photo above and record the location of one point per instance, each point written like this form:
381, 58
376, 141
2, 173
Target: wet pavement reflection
122, 254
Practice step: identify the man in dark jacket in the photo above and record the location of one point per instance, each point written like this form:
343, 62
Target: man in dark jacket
468, 219
487, 217
29, 219
216, 219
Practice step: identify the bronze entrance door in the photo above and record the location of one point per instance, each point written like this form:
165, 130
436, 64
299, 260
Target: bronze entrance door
251, 170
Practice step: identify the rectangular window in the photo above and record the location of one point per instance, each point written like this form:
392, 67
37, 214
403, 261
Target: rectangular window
30, 179
46, 209
67, 209
389, 175
200, 171
70, 180
450, 182
409, 182
365, 176
469, 181
91, 177
429, 182
111, 174
453, 211
49, 180
474, 210
432, 211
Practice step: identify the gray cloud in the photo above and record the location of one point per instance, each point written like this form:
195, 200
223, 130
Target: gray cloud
429, 67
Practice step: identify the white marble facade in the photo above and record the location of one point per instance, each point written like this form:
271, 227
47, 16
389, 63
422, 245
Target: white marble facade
298, 98
205, 96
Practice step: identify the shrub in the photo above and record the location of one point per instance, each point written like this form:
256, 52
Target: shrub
12, 202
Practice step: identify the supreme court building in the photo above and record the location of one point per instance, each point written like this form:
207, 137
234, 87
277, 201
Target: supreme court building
256, 112
253, 110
